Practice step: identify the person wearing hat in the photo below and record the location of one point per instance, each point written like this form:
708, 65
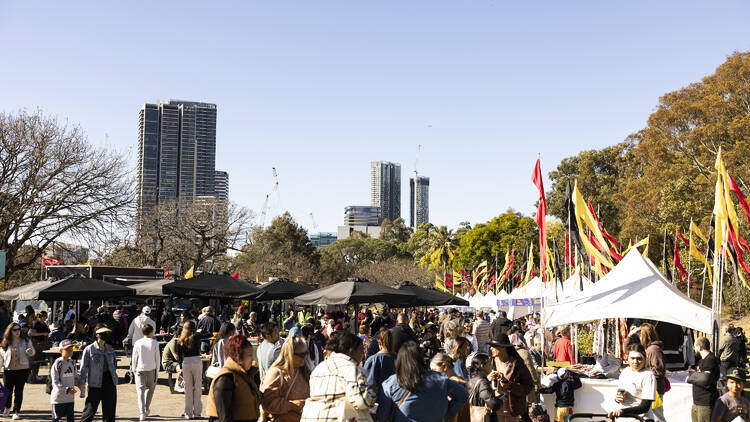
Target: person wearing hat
513, 378
64, 378
732, 405
135, 332
98, 368
564, 389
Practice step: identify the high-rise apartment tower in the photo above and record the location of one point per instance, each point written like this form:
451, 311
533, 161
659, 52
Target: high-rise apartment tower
385, 188
422, 197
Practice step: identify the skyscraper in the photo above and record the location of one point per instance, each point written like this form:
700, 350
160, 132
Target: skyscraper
176, 152
221, 182
422, 197
385, 188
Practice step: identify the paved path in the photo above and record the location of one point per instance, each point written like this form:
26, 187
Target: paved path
165, 406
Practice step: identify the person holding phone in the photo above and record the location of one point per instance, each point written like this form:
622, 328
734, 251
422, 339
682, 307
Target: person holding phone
636, 387
512, 376
482, 395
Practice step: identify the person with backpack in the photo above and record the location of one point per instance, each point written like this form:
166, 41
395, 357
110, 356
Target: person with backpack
63, 379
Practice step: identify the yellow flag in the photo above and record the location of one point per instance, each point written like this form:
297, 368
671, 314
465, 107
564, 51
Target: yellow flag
439, 283
189, 273
88, 262
698, 231
530, 264
583, 215
695, 253
638, 244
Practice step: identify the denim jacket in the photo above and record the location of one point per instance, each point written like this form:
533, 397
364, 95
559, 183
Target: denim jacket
92, 364
429, 404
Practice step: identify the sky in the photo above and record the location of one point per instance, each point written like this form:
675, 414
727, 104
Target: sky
318, 89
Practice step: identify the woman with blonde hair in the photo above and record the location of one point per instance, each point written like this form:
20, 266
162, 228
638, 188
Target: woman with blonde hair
188, 350
286, 385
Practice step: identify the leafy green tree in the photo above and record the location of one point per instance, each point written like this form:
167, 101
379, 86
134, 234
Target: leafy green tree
282, 249
441, 246
395, 231
344, 257
419, 244
507, 231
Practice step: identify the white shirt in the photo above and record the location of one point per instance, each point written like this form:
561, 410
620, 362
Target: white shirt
146, 356
639, 385
135, 332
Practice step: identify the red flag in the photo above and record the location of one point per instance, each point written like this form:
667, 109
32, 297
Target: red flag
541, 217
736, 244
569, 259
681, 236
606, 235
680, 268
236, 275
448, 280
510, 268
47, 261
743, 201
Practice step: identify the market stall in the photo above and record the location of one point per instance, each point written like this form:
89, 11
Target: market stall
634, 288
597, 396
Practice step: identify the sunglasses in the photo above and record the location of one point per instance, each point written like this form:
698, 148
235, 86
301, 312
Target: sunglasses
16, 329
301, 354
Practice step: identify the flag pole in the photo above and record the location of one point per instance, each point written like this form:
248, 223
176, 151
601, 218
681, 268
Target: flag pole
703, 286
690, 245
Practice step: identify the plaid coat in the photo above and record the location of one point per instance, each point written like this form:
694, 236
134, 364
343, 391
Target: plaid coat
336, 379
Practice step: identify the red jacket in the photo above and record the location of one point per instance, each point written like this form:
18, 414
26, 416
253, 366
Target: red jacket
563, 351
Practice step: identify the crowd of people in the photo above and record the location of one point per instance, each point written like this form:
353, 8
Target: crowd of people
399, 366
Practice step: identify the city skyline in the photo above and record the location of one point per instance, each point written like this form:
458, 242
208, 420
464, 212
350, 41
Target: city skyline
334, 90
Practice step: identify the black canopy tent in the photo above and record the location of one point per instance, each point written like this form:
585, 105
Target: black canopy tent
354, 291
80, 288
217, 286
282, 289
429, 296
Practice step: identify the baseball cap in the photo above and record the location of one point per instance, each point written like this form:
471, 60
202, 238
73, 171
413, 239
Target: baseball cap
103, 330
736, 374
65, 344
146, 309
562, 373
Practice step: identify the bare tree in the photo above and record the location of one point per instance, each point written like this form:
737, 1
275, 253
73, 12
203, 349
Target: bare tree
53, 184
207, 228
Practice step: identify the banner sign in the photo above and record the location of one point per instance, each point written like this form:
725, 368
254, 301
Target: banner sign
529, 301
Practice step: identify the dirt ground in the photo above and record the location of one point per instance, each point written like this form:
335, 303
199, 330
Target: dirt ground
165, 406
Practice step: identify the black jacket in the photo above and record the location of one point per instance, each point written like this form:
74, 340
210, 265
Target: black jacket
400, 334
482, 394
564, 391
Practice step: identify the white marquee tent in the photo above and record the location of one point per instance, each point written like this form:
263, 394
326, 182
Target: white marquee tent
634, 288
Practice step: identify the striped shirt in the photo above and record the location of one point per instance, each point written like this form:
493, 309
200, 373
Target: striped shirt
482, 331
336, 379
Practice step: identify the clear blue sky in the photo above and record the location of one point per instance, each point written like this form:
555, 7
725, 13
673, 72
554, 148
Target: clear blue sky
318, 89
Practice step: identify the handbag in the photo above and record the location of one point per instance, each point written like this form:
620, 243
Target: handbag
477, 413
347, 413
3, 395
212, 371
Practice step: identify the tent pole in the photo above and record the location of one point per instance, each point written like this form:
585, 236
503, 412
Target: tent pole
690, 244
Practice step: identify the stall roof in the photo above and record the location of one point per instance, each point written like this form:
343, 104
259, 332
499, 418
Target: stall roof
633, 289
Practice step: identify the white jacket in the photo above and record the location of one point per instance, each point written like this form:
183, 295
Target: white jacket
23, 357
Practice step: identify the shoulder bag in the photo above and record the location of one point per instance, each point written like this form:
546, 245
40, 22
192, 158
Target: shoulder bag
477, 413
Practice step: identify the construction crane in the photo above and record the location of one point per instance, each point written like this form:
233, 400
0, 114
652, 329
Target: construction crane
315, 225
269, 197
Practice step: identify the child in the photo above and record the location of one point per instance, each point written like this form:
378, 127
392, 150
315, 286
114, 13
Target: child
732, 405
564, 393
64, 377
